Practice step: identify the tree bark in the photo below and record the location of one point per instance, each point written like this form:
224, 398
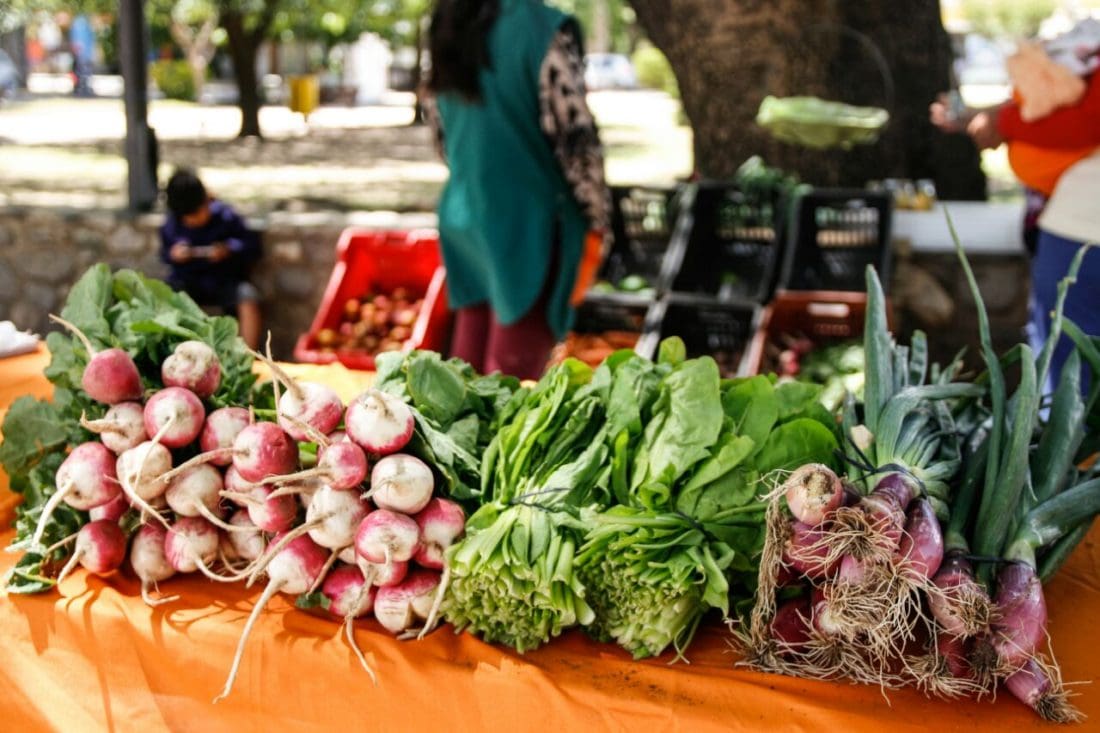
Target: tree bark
729, 54
244, 43
198, 48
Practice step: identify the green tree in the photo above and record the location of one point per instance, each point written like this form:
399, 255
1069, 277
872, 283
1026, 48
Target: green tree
1016, 18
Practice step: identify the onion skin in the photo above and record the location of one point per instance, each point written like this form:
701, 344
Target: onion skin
1023, 614
805, 552
920, 552
813, 491
791, 624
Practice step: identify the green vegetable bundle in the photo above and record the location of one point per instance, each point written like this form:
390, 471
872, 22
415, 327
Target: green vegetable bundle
512, 577
819, 123
689, 521
126, 310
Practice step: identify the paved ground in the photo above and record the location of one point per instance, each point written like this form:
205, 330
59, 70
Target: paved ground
57, 150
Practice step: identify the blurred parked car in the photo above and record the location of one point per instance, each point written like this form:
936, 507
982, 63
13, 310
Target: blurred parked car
609, 71
9, 76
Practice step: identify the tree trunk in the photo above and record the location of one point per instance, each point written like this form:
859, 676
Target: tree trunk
729, 54
244, 44
198, 49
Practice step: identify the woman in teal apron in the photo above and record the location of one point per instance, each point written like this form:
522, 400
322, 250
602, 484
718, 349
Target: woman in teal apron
526, 176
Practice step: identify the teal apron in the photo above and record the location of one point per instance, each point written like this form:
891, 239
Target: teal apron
507, 198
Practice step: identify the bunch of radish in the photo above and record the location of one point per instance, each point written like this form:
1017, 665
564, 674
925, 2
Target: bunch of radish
223, 495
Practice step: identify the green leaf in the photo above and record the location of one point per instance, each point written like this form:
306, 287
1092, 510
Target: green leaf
794, 398
437, 390
32, 429
317, 599
794, 444
672, 351
693, 423
753, 407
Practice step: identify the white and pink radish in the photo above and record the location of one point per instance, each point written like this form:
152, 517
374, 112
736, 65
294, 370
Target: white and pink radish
149, 561
441, 523
813, 491
247, 541
260, 450
379, 423
384, 574
220, 430
343, 466
111, 376
385, 536
332, 521
335, 517
100, 548
270, 514
398, 608
176, 415
305, 406
121, 428
191, 544
401, 483
197, 493
194, 366
113, 510
140, 471
294, 569
85, 479
350, 597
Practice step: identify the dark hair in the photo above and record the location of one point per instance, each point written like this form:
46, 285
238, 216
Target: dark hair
458, 41
185, 192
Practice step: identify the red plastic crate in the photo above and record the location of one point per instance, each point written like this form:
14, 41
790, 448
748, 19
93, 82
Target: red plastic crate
820, 315
380, 261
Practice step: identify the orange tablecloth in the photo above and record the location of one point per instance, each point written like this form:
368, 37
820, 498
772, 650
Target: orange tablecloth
92, 656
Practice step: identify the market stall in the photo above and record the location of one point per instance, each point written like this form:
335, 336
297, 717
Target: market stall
92, 656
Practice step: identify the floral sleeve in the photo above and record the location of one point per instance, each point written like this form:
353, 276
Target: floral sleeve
570, 127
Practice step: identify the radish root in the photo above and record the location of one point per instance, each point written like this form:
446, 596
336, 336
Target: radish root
198, 460
70, 565
271, 589
275, 549
154, 602
433, 615
324, 570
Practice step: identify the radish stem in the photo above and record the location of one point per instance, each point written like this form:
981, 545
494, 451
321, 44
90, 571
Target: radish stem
76, 332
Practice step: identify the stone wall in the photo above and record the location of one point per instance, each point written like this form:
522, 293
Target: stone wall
43, 251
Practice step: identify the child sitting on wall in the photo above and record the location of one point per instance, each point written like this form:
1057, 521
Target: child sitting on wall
209, 251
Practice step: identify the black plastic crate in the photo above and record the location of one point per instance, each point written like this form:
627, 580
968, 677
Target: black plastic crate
642, 221
723, 330
734, 247
836, 233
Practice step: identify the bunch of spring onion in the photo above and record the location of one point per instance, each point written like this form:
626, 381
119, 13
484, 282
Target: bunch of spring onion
1022, 507
861, 552
512, 579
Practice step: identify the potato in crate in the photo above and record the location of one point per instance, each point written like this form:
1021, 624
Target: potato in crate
387, 292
